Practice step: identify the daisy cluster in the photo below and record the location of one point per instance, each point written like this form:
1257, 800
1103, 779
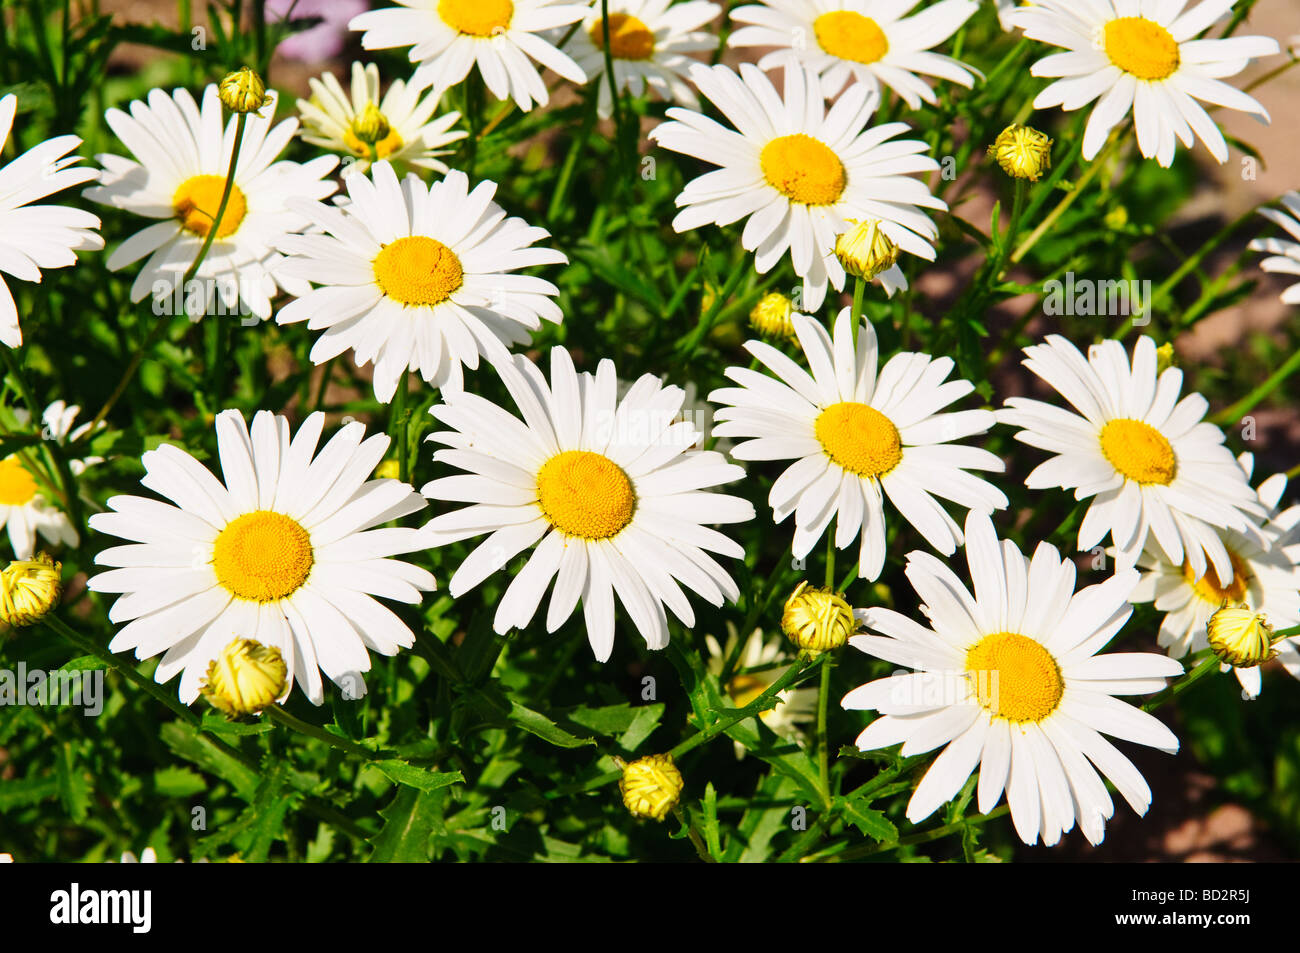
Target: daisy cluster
599, 496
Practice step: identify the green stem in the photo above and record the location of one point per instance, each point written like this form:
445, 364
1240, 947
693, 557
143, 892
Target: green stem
1207, 665
1049, 220
120, 665
859, 287
694, 835
823, 747
955, 827
752, 710
1013, 228
397, 423
158, 326
1246, 404
292, 722
830, 559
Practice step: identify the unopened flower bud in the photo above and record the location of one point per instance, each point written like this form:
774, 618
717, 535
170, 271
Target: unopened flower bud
245, 678
1023, 153
243, 91
651, 786
865, 250
771, 316
29, 589
1240, 637
817, 620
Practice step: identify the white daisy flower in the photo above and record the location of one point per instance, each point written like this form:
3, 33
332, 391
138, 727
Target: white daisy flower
608, 490
448, 37
417, 277
648, 40
178, 175
399, 127
147, 856
868, 41
284, 552
28, 490
1142, 56
57, 425
1284, 256
1010, 680
858, 436
33, 237
1152, 462
26, 508
758, 665
798, 171
1264, 580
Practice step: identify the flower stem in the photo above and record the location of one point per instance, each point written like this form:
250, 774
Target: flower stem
823, 749
1049, 220
118, 664
1208, 664
292, 722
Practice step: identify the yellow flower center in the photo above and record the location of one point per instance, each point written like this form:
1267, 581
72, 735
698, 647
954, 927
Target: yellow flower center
859, 438
585, 494
1141, 47
418, 271
1209, 588
477, 17
1138, 451
16, 485
803, 169
1015, 677
197, 200
851, 36
262, 556
629, 38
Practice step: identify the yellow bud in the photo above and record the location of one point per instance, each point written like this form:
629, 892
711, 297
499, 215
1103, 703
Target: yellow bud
1116, 218
1241, 637
371, 126
29, 589
651, 786
389, 470
1023, 153
243, 91
817, 620
245, 678
865, 250
1165, 358
771, 316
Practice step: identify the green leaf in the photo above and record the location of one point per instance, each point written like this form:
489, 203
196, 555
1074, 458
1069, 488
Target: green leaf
74, 789
630, 725
408, 824
219, 724
270, 804
85, 663
712, 839
417, 777
198, 750
868, 820
178, 782
534, 722
27, 791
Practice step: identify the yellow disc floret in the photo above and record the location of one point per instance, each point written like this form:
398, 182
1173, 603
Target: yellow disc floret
585, 494
1212, 590
1139, 451
851, 36
196, 202
16, 485
803, 169
629, 38
477, 17
262, 556
1141, 47
1014, 677
418, 271
859, 438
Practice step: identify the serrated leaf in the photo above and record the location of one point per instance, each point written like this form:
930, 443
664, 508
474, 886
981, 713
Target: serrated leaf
178, 782
27, 791
535, 723
868, 820
74, 789
417, 777
186, 742
408, 824
712, 838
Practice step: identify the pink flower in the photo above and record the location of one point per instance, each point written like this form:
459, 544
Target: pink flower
323, 41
